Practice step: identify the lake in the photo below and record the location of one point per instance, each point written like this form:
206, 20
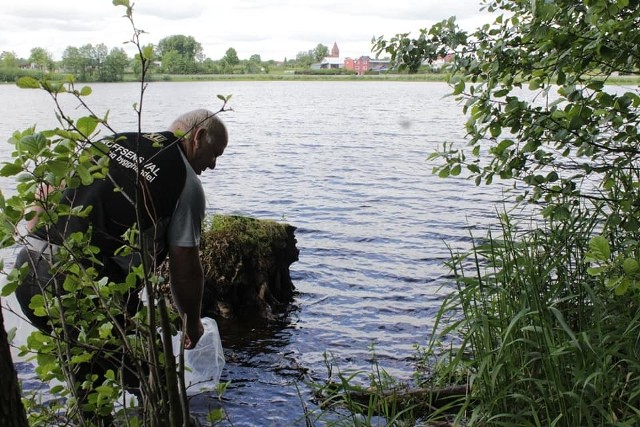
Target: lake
345, 163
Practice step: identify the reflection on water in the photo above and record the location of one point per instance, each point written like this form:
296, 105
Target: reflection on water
344, 162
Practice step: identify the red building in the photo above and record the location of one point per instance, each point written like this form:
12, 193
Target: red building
365, 64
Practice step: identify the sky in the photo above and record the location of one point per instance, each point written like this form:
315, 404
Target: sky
273, 29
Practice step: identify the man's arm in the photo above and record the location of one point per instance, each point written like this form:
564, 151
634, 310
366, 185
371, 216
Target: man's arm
187, 283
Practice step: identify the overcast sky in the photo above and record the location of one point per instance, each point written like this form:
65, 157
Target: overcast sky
274, 29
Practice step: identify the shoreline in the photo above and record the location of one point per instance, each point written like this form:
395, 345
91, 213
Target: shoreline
423, 77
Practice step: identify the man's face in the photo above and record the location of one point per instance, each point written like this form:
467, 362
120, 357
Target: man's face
205, 154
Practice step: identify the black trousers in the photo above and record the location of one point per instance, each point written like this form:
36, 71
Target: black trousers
40, 279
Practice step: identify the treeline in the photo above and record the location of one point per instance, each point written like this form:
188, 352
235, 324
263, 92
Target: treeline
176, 54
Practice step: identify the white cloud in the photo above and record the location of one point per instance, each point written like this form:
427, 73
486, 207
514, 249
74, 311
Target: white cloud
274, 29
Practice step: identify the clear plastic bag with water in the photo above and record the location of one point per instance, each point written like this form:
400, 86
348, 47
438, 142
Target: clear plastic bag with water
204, 363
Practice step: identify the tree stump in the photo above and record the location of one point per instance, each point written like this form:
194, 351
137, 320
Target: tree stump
246, 267
12, 413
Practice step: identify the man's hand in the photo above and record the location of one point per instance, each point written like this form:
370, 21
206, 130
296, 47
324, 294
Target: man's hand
194, 331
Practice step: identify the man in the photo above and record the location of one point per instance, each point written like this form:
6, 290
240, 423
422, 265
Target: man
152, 184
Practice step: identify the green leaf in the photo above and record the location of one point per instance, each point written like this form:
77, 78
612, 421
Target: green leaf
85, 91
599, 248
458, 88
56, 389
11, 334
596, 85
58, 167
105, 330
105, 389
595, 271
630, 266
9, 288
27, 82
623, 287
84, 174
10, 169
32, 144
500, 93
535, 84
87, 125
147, 52
613, 282
81, 358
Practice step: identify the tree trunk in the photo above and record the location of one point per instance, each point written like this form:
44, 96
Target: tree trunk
246, 268
12, 412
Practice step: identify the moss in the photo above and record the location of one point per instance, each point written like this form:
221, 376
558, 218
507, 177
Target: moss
253, 235
246, 267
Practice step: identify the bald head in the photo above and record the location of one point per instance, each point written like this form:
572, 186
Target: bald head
205, 137
201, 118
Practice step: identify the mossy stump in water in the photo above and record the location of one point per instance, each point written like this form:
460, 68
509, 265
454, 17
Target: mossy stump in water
246, 267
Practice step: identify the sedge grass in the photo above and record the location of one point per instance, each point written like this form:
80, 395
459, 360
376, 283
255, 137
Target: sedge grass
543, 342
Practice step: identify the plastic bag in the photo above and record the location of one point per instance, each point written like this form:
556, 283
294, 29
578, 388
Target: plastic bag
204, 363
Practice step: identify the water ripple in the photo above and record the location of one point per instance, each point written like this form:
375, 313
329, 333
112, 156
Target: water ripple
345, 164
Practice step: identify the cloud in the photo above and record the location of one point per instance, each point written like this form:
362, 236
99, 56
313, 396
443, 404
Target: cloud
274, 29
170, 10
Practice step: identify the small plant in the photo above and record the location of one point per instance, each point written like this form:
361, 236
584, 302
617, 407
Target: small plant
93, 348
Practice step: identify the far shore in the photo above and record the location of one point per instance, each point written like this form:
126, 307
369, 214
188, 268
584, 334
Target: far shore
420, 77
294, 77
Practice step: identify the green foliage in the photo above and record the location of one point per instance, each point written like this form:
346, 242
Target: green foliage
621, 274
41, 59
80, 332
542, 341
320, 52
251, 234
550, 314
87, 313
231, 57
180, 54
8, 60
95, 63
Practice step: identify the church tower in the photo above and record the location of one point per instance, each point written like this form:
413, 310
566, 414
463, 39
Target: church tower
335, 52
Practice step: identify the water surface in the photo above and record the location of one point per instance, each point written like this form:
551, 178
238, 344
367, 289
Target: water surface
344, 162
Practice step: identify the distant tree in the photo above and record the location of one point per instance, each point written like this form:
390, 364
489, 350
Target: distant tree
184, 45
182, 52
231, 57
41, 59
114, 65
305, 59
320, 52
254, 65
8, 60
100, 52
209, 66
89, 59
174, 63
72, 61
83, 62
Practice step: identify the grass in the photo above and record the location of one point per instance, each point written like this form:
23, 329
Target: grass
544, 343
291, 77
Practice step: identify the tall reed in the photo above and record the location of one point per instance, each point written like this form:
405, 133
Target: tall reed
543, 342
